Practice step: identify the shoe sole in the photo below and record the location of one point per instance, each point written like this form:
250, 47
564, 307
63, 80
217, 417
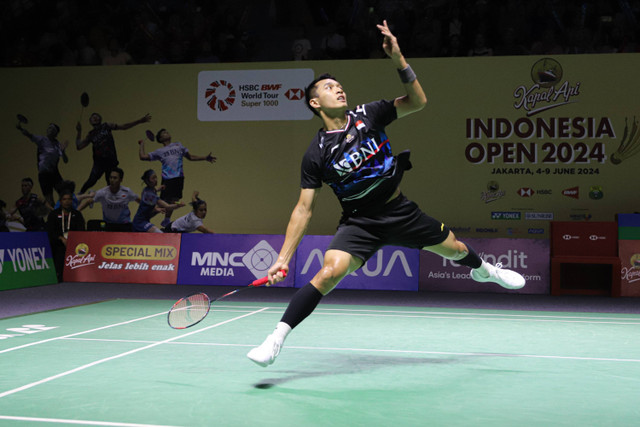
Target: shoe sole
489, 279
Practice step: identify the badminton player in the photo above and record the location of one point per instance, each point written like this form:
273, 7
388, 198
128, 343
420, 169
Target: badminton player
352, 154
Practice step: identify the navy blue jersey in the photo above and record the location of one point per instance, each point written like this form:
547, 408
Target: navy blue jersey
356, 161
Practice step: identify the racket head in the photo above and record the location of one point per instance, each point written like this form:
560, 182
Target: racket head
84, 99
189, 311
150, 136
22, 119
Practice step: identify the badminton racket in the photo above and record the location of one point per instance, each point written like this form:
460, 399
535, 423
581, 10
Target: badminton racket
192, 309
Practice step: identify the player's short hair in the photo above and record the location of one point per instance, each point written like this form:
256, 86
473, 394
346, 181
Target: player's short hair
119, 171
310, 91
65, 192
27, 179
55, 126
158, 134
64, 186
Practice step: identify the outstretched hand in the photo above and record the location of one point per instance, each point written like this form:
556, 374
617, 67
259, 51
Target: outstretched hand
390, 42
146, 118
211, 159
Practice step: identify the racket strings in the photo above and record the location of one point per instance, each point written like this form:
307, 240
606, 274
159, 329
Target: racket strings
188, 311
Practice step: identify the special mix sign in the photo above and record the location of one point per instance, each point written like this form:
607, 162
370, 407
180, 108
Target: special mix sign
122, 257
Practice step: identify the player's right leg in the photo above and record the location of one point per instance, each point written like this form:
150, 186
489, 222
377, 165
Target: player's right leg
481, 271
337, 264
94, 176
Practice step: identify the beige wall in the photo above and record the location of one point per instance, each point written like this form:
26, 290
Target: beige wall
255, 183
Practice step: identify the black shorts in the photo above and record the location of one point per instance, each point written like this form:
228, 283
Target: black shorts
172, 189
400, 223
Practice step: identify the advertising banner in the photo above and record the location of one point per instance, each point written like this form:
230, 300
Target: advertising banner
229, 259
122, 257
243, 95
391, 268
629, 253
25, 260
529, 257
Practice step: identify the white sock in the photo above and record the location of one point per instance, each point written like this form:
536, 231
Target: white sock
484, 269
281, 331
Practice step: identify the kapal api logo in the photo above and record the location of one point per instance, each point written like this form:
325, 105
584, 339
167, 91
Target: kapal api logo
81, 258
547, 91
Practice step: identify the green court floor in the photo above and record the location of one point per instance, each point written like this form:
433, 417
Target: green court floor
117, 363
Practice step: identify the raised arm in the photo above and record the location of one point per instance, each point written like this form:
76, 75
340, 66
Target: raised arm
298, 223
63, 149
415, 99
143, 119
209, 158
24, 131
141, 153
80, 143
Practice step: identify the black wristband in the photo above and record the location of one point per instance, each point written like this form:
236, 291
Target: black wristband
406, 74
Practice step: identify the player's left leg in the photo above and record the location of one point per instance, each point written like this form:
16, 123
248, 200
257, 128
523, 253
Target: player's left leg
337, 264
453, 249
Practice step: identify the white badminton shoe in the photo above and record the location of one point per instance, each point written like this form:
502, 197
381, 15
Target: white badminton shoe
508, 279
265, 354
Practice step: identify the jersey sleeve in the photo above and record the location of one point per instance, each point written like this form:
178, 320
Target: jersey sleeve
131, 196
154, 155
311, 169
99, 196
379, 113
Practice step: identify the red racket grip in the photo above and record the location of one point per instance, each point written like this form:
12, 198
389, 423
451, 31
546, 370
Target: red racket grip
265, 279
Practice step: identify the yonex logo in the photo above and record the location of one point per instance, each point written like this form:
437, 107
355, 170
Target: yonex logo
294, 94
596, 237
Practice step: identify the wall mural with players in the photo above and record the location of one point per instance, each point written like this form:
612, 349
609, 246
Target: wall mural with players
505, 144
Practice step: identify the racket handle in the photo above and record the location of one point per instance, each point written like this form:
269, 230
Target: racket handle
265, 279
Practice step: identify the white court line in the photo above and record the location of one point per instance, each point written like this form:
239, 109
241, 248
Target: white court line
81, 422
83, 332
427, 316
117, 356
456, 316
224, 308
374, 350
482, 314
